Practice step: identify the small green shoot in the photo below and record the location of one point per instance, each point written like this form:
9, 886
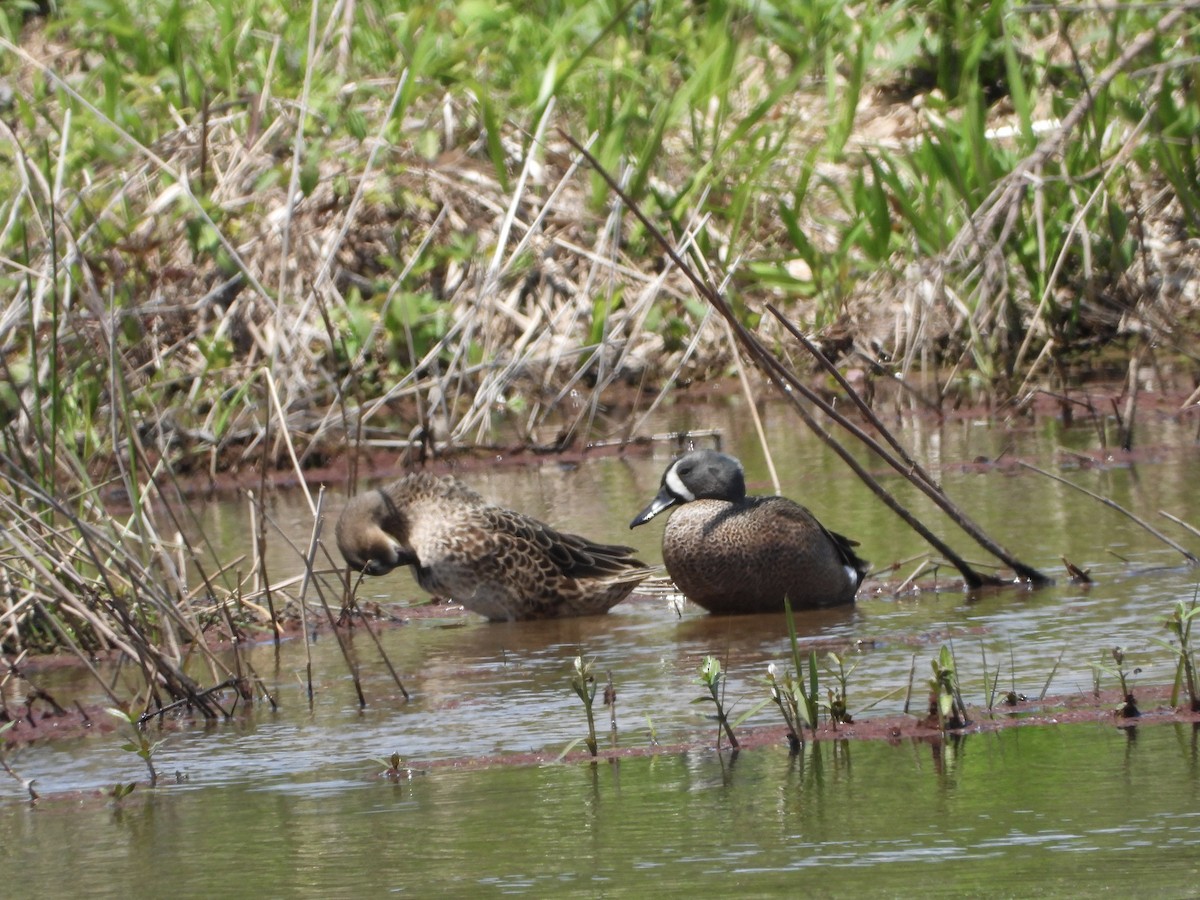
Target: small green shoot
785, 698
121, 790
394, 768
714, 680
945, 700
1128, 708
797, 702
610, 700
583, 682
1179, 623
837, 699
140, 745
650, 732
1049, 678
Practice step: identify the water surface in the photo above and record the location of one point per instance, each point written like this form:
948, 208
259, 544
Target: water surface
289, 802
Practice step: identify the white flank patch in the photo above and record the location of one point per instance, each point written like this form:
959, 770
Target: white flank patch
851, 573
675, 485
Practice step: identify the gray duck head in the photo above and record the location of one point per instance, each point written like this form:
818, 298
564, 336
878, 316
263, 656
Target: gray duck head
699, 475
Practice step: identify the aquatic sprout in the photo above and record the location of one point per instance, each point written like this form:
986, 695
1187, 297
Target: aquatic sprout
1179, 623
784, 697
806, 700
650, 732
1049, 677
945, 700
836, 703
714, 680
583, 682
140, 745
394, 768
797, 702
1011, 697
1128, 708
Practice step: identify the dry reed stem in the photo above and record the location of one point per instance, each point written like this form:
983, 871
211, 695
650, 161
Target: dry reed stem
1112, 504
1180, 522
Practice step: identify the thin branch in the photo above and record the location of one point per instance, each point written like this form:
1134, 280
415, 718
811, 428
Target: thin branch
1190, 557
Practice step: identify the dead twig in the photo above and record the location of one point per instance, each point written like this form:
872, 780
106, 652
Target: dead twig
1112, 504
1182, 524
905, 464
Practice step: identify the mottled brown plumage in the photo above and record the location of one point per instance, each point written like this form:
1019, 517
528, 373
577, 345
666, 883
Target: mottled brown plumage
495, 562
736, 554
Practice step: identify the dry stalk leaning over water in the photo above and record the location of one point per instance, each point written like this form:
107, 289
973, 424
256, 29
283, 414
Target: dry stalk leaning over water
789, 386
903, 462
1112, 504
1182, 524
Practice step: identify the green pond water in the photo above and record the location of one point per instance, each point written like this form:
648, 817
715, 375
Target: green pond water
290, 803
1059, 811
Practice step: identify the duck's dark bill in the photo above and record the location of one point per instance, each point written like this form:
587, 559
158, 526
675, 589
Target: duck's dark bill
664, 500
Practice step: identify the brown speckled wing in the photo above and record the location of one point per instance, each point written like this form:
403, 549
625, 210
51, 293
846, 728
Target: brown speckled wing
792, 511
571, 555
422, 486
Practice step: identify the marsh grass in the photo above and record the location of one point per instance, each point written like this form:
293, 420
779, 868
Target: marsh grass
372, 204
1179, 623
238, 237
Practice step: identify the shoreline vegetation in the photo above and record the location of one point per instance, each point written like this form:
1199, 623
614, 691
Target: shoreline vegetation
239, 240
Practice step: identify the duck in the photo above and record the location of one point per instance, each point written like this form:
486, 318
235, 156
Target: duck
498, 563
732, 554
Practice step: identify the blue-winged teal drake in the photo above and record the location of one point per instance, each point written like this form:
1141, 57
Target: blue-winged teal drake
495, 562
736, 554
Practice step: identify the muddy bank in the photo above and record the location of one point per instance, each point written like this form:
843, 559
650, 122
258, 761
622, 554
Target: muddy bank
40, 723
1090, 406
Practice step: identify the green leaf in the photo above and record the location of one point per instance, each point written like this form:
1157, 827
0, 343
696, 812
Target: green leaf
546, 89
945, 704
310, 175
491, 127
356, 124
751, 711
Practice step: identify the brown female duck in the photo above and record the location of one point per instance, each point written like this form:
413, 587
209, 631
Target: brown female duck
495, 562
